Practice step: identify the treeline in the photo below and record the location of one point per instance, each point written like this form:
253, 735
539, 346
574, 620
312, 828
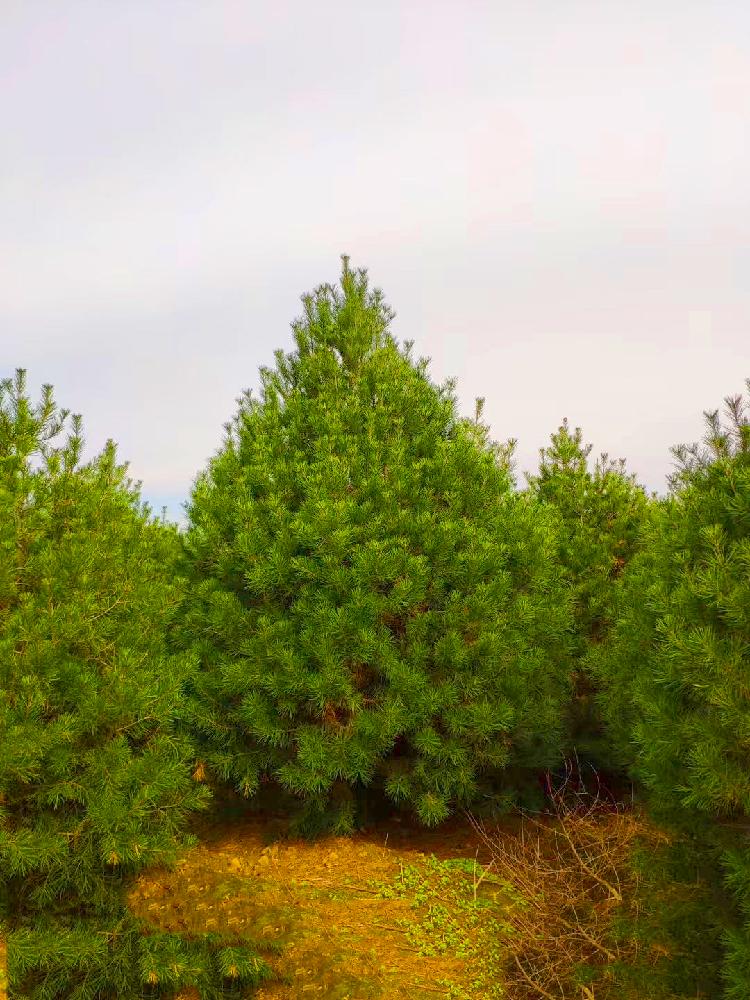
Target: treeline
364, 608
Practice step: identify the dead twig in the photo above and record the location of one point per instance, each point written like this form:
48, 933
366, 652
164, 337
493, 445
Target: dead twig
568, 875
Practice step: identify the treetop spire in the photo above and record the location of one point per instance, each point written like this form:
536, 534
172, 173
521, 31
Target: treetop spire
351, 319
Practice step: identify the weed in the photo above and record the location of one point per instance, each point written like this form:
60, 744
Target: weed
456, 919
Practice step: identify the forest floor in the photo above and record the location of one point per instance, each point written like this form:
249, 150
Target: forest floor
393, 913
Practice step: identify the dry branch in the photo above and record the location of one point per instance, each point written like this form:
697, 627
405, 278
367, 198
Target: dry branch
570, 877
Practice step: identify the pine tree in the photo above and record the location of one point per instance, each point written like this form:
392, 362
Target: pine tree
601, 510
675, 674
372, 602
95, 777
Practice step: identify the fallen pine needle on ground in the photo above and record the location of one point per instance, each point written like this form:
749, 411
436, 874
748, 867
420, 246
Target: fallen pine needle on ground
391, 915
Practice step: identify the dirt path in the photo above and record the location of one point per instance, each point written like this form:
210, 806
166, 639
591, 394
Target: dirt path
324, 904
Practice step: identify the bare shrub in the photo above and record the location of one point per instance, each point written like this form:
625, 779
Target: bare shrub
571, 885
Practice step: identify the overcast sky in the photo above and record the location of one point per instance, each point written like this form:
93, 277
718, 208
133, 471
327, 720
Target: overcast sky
554, 197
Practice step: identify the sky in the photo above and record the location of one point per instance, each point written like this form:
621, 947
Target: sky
554, 198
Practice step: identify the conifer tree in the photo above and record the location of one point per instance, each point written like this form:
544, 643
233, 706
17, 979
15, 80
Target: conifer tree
675, 674
95, 779
601, 510
372, 603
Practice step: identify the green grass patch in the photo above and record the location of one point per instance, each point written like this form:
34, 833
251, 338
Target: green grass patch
459, 913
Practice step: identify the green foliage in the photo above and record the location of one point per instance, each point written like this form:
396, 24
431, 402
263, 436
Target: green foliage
679, 650
677, 917
459, 912
95, 780
675, 674
371, 606
601, 510
371, 601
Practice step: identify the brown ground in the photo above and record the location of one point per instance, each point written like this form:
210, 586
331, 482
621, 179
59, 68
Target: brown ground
339, 938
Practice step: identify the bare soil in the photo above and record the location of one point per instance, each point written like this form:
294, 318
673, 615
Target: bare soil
320, 902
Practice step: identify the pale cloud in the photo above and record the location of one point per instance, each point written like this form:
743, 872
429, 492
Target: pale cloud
553, 197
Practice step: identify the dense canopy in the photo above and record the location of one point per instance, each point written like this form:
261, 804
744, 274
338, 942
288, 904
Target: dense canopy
373, 603
95, 779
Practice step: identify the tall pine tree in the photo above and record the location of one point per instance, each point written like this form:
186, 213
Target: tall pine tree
675, 675
372, 603
601, 511
95, 780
